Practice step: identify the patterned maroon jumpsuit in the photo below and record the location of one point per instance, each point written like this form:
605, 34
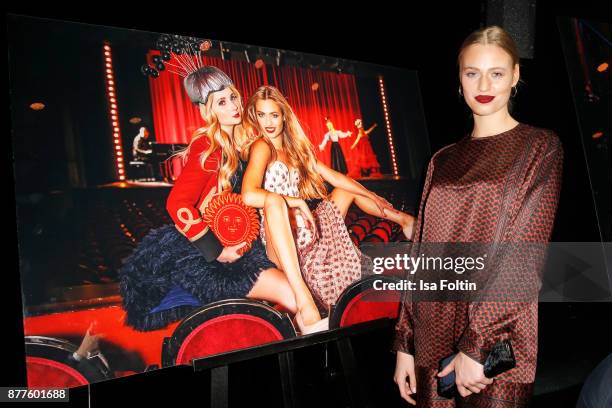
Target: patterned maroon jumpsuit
501, 188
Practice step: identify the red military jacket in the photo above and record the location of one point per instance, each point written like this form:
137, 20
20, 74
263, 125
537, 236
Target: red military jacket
190, 195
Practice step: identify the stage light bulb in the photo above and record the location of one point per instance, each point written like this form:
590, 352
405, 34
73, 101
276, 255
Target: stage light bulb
37, 106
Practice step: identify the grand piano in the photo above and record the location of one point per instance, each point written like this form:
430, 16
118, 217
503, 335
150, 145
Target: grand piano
169, 167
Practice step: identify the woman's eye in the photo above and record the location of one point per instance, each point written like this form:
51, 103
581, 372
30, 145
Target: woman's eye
260, 115
498, 74
233, 97
470, 74
221, 103
275, 116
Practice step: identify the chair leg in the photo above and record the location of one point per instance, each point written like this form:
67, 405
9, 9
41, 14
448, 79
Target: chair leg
356, 388
219, 378
287, 374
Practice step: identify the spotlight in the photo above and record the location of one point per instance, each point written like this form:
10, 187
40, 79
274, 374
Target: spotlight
205, 46
37, 106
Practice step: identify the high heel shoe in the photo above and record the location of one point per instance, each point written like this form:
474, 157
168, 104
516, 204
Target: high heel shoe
321, 325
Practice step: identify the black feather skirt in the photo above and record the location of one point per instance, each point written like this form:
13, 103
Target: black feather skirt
166, 277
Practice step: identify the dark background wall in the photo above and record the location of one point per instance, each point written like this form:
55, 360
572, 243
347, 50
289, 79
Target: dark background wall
425, 38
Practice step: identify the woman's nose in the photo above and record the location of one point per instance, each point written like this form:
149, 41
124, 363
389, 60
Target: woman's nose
483, 84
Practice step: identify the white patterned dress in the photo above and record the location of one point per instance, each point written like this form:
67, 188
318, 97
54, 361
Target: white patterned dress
328, 258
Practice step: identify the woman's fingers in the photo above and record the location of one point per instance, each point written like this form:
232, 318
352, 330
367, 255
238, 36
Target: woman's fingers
479, 386
405, 391
308, 215
405, 377
464, 392
486, 381
474, 388
238, 246
380, 206
412, 382
384, 201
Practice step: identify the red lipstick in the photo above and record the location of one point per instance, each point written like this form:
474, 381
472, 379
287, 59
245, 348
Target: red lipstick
270, 129
237, 115
484, 98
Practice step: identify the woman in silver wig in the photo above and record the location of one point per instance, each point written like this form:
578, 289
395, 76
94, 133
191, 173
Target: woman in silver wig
182, 266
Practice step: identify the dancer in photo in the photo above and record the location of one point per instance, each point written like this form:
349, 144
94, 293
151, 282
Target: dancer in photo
338, 162
366, 158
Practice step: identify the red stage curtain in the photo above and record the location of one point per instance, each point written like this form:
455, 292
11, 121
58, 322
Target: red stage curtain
175, 118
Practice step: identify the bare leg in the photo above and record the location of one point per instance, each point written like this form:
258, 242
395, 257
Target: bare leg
343, 200
273, 286
282, 251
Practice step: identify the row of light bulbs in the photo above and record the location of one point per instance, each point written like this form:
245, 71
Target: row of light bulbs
383, 96
114, 115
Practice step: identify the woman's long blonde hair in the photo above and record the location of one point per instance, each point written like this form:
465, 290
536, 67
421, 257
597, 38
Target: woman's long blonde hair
232, 146
299, 149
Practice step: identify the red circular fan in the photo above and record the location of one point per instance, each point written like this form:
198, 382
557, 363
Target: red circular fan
232, 221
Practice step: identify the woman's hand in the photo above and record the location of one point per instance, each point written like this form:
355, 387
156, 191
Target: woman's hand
230, 253
381, 203
469, 375
404, 367
304, 211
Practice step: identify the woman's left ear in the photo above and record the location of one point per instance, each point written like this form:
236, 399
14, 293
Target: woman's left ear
516, 75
